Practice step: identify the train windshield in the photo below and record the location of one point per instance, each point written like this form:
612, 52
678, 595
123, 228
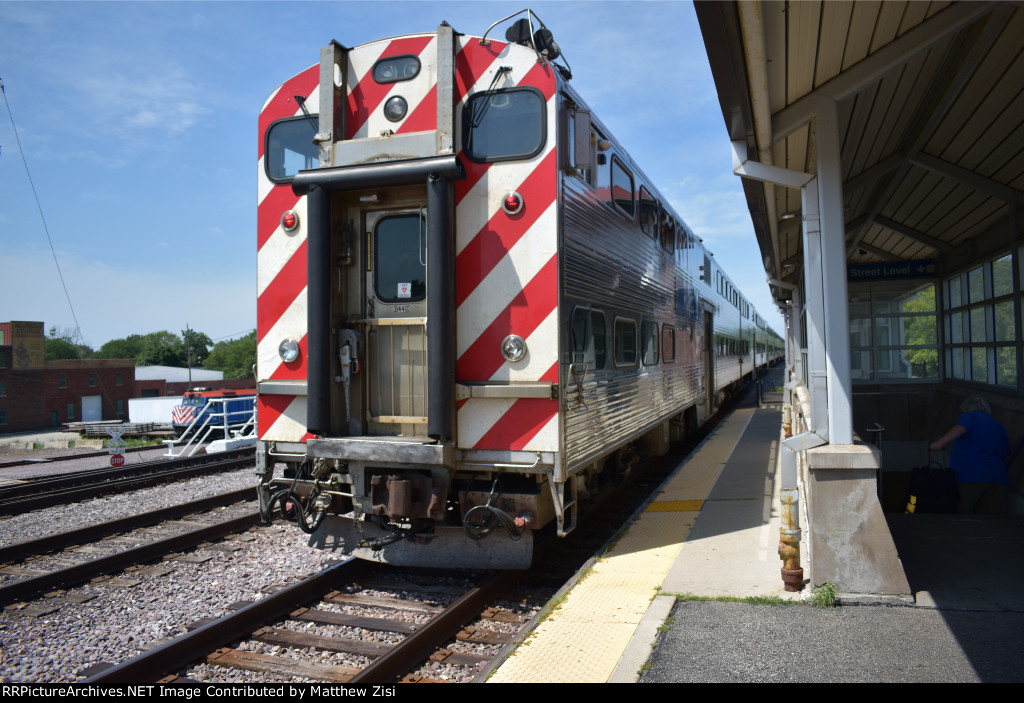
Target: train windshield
290, 147
504, 124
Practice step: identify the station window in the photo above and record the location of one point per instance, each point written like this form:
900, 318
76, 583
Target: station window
119, 378
120, 406
980, 324
622, 187
625, 342
649, 342
92, 380
62, 380
893, 331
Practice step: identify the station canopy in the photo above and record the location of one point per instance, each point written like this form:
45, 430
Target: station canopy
930, 100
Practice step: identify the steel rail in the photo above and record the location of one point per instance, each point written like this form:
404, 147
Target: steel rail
72, 495
421, 644
106, 473
185, 649
78, 573
112, 527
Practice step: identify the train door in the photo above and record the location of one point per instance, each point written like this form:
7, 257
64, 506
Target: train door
396, 306
709, 362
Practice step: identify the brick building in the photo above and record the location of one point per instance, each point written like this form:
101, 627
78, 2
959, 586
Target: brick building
37, 394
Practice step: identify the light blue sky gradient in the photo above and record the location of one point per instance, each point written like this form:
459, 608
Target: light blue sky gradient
138, 121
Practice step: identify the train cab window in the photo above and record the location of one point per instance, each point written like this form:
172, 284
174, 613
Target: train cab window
589, 338
625, 342
505, 124
290, 148
622, 187
649, 342
648, 213
668, 343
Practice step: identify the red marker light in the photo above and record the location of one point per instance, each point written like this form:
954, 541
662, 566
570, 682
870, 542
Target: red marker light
512, 203
289, 220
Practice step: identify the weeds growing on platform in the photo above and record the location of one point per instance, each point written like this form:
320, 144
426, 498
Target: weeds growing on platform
824, 596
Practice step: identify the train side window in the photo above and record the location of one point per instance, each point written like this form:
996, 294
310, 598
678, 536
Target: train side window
649, 342
668, 234
589, 343
668, 343
599, 336
504, 124
622, 188
289, 147
625, 342
648, 213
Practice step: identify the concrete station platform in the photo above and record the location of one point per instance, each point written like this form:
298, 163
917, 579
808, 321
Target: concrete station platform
712, 530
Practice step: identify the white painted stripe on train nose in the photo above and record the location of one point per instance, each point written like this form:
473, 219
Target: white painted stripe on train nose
292, 323
506, 280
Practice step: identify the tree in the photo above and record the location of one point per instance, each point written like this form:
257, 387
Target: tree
234, 357
199, 344
65, 343
922, 330
127, 348
161, 348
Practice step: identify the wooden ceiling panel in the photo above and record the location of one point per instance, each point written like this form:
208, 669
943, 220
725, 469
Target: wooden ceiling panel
890, 16
835, 23
862, 28
1001, 142
914, 13
914, 85
773, 19
985, 99
802, 50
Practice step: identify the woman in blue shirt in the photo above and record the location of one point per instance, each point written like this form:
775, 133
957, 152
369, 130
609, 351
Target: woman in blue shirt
979, 456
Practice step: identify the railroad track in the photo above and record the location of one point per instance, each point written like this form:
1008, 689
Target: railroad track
38, 580
303, 602
33, 494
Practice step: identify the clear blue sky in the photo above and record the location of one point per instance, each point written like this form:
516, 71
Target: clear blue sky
138, 121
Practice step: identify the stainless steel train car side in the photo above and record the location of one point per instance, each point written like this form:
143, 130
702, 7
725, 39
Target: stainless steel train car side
472, 302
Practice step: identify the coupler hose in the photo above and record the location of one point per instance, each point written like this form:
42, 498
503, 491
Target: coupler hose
296, 512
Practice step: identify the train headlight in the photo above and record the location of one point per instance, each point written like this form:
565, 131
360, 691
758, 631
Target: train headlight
288, 350
395, 108
513, 348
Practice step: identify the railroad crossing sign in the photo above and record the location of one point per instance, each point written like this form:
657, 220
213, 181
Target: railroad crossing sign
116, 445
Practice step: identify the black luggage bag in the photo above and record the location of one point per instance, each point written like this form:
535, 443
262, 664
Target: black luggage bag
933, 489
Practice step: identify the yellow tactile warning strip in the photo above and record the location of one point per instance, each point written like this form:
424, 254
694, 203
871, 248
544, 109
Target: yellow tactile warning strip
583, 638
672, 506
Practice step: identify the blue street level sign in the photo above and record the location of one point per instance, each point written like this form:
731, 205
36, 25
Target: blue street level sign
889, 270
